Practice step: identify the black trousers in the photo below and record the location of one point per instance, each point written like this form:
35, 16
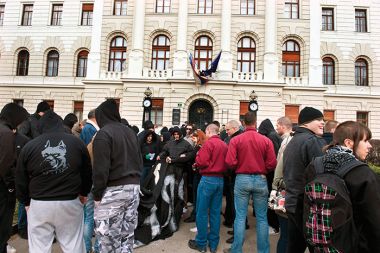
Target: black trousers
229, 211
296, 240
7, 208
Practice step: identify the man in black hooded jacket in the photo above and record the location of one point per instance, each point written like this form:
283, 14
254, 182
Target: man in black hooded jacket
116, 175
10, 117
53, 178
30, 126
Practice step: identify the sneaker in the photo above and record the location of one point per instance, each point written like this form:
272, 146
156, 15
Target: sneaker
194, 229
230, 240
227, 250
193, 245
10, 249
212, 250
273, 231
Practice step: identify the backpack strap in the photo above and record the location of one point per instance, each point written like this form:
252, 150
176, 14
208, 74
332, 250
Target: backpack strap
347, 168
318, 165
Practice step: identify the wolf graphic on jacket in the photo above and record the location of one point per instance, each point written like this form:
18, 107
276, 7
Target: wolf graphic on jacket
54, 158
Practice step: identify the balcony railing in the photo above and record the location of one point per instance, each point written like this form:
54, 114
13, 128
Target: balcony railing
111, 75
157, 74
295, 81
248, 76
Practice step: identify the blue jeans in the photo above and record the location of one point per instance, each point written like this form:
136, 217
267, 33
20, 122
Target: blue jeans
22, 220
209, 201
89, 223
282, 243
245, 186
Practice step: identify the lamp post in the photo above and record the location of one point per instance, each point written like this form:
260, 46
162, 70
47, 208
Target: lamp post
147, 105
253, 106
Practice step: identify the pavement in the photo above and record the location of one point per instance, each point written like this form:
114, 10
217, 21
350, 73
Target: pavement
178, 242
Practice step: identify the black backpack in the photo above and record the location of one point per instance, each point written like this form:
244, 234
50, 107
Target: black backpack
328, 222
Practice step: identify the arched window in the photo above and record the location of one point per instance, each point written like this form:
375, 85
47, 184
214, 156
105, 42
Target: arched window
246, 55
361, 72
118, 54
52, 63
22, 63
160, 52
82, 63
328, 74
203, 52
291, 59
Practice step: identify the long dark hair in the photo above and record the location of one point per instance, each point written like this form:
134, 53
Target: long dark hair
352, 130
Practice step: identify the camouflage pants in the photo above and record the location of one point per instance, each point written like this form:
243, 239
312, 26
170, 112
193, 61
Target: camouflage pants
116, 219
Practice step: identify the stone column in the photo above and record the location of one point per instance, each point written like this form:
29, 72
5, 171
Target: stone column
180, 57
270, 54
225, 64
315, 62
136, 55
93, 69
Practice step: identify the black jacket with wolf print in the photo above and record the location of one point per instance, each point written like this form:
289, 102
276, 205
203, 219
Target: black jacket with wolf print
53, 166
117, 156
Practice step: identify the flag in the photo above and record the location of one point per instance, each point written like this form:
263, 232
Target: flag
201, 77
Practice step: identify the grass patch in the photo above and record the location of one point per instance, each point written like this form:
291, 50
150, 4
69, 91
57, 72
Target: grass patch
375, 168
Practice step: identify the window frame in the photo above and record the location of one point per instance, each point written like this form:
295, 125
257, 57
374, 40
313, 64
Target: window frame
163, 6
157, 111
87, 14
82, 57
115, 49
50, 103
18, 101
123, 10
2, 14
328, 64
205, 8
358, 20
241, 50
328, 19
359, 79
292, 112
365, 119
27, 15
291, 3
160, 48
55, 61
292, 59
78, 109
22, 63
246, 3
208, 48
56, 14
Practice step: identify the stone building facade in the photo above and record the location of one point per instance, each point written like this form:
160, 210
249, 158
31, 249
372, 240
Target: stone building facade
292, 53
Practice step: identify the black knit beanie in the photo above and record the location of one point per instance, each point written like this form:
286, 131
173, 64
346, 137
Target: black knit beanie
308, 114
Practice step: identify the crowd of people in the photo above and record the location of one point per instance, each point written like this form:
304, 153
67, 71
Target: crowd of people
103, 176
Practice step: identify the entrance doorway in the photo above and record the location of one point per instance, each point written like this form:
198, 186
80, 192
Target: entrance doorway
200, 113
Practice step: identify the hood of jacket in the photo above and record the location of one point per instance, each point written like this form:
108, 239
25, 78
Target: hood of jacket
107, 112
177, 130
266, 127
154, 136
13, 115
50, 122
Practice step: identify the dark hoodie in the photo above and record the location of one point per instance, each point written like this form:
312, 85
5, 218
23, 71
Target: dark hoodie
30, 126
266, 128
10, 117
150, 151
53, 166
117, 156
174, 148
